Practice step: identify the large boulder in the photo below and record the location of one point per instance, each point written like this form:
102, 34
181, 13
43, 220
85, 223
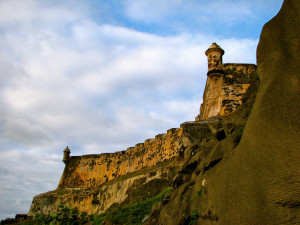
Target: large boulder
256, 180
260, 184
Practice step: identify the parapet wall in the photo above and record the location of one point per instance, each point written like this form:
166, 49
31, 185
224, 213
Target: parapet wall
94, 170
224, 91
236, 80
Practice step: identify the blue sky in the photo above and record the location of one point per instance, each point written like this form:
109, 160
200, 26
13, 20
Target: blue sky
101, 76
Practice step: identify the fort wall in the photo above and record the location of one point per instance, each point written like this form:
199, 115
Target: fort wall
95, 183
94, 170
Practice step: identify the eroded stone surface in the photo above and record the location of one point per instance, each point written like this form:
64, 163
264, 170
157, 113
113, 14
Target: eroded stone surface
94, 170
224, 89
98, 199
252, 175
85, 176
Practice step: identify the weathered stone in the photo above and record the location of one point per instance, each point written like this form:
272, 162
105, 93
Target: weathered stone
123, 191
225, 86
92, 171
254, 180
248, 174
214, 57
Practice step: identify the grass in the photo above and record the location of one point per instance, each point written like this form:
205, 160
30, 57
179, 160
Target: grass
199, 192
191, 219
133, 214
240, 131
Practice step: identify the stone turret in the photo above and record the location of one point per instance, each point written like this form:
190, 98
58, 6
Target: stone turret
214, 56
211, 105
225, 84
66, 155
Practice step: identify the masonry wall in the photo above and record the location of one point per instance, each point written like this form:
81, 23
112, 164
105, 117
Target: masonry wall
97, 200
94, 170
237, 79
212, 98
224, 91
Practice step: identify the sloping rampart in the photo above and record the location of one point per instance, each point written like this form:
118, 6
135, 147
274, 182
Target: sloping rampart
94, 170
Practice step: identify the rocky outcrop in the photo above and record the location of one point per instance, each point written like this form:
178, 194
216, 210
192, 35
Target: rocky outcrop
251, 175
122, 191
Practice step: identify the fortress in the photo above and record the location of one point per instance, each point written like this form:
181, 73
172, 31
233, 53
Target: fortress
95, 183
225, 85
237, 163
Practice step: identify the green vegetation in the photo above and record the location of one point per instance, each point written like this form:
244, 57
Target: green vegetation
191, 219
240, 131
64, 215
8, 221
199, 192
133, 214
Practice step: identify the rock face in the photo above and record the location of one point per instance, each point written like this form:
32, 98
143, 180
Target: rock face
124, 190
255, 180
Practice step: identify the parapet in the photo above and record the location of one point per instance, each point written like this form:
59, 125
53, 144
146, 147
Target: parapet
66, 156
94, 170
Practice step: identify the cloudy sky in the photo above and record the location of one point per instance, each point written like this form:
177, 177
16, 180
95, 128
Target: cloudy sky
101, 76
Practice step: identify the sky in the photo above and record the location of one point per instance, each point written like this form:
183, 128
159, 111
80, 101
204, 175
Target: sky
102, 76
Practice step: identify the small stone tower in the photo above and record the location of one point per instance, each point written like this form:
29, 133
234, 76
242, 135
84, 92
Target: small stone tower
66, 155
214, 56
211, 105
225, 84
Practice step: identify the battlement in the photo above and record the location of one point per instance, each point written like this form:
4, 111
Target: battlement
94, 170
225, 86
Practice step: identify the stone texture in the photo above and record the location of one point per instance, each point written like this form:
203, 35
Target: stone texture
83, 175
224, 90
252, 176
237, 79
94, 170
122, 191
248, 175
214, 58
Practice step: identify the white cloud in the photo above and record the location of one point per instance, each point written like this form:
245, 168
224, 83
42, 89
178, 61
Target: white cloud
25, 173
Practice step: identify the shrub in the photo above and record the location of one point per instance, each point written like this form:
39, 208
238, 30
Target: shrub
64, 215
135, 213
132, 214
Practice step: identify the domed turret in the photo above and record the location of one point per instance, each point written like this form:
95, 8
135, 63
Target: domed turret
66, 155
214, 56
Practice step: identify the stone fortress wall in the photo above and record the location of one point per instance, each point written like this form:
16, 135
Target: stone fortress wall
94, 170
225, 86
85, 182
